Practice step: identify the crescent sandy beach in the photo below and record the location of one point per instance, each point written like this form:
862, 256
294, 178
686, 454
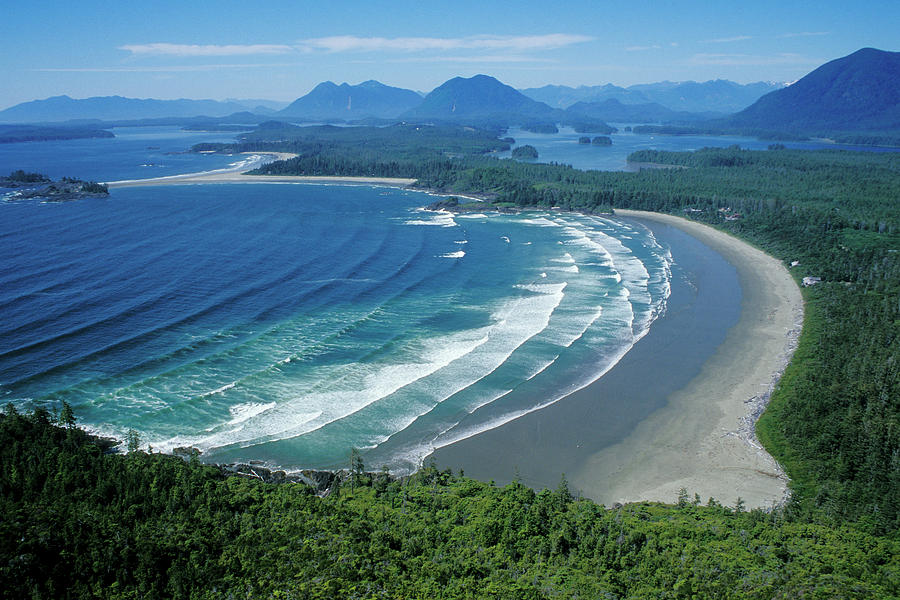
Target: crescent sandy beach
700, 437
703, 440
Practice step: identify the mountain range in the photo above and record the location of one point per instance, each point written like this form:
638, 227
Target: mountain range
115, 108
717, 96
478, 98
856, 93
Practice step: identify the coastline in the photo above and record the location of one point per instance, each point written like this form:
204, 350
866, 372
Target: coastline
697, 427
665, 448
719, 455
238, 175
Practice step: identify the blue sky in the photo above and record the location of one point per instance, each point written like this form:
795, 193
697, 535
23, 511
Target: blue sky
280, 50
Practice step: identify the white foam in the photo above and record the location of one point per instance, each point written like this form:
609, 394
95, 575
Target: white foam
220, 390
433, 219
248, 410
457, 254
539, 222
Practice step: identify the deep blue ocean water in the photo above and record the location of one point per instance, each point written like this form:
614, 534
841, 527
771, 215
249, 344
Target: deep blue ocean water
287, 323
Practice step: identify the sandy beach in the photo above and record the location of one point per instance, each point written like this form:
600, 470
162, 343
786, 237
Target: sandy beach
704, 440
236, 175
671, 414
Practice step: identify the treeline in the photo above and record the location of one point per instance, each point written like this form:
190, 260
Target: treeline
10, 134
81, 523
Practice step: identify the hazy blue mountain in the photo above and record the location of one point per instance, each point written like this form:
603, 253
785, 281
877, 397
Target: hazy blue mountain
368, 99
561, 96
859, 92
651, 112
720, 95
113, 108
259, 105
480, 98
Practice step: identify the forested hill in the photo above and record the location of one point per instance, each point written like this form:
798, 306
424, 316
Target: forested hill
859, 92
478, 98
78, 523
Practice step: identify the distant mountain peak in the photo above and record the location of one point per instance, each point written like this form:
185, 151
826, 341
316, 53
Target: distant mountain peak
476, 98
368, 99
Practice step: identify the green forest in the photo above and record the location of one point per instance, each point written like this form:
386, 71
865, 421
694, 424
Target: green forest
80, 522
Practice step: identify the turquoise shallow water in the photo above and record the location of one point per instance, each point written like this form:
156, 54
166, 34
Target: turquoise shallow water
286, 323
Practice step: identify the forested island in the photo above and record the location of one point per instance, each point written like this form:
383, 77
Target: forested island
526, 152
10, 134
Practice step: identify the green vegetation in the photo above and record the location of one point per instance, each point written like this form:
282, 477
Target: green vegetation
10, 134
526, 152
40, 186
80, 523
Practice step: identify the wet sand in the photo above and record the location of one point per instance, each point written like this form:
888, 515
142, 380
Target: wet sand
678, 410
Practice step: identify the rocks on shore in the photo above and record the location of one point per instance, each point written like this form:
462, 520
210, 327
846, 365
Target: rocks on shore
35, 185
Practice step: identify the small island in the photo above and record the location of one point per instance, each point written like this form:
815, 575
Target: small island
584, 140
36, 185
601, 140
526, 152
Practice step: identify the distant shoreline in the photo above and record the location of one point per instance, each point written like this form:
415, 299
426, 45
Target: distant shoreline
238, 175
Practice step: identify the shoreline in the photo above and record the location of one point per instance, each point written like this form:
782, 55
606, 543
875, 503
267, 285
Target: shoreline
238, 175
697, 428
720, 457
664, 452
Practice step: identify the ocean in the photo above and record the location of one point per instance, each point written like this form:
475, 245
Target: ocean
289, 323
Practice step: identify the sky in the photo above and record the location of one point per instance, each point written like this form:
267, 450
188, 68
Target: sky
281, 50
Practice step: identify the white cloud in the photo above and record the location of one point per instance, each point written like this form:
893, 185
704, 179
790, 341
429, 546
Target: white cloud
726, 40
642, 48
804, 34
350, 43
207, 50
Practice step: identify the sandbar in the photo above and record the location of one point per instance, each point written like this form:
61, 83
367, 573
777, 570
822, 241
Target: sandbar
238, 175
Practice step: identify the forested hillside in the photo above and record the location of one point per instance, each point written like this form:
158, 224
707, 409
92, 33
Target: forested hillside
78, 523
